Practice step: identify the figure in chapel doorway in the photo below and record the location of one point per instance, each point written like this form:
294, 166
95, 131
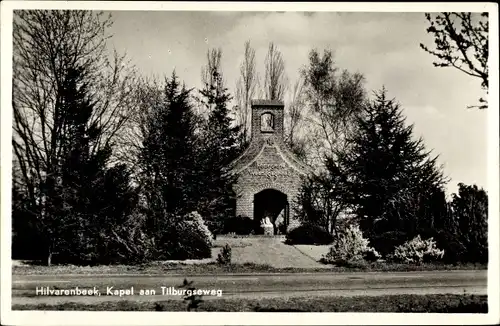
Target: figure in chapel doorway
267, 226
279, 223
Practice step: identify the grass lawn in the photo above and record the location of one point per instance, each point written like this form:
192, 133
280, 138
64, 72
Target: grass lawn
250, 255
213, 268
439, 303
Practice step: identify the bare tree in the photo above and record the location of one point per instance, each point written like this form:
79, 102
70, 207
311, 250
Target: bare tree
294, 112
334, 100
47, 46
211, 78
246, 89
461, 41
275, 81
147, 95
213, 64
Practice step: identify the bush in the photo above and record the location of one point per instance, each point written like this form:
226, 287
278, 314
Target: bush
309, 234
195, 220
241, 225
224, 257
454, 250
130, 243
185, 237
387, 241
371, 255
350, 246
417, 251
188, 244
357, 264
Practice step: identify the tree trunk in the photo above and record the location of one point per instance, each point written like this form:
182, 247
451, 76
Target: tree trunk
49, 258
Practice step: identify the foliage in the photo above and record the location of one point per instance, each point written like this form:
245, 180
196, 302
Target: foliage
417, 251
224, 257
180, 240
385, 242
334, 99
188, 242
461, 41
372, 255
219, 146
308, 234
294, 120
211, 73
171, 176
348, 246
320, 201
459, 227
106, 232
241, 225
167, 160
196, 222
455, 251
246, 87
132, 243
71, 107
388, 178
25, 229
84, 199
275, 81
469, 224
68, 107
193, 299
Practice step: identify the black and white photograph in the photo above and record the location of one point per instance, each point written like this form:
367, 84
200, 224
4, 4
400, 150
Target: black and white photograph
286, 161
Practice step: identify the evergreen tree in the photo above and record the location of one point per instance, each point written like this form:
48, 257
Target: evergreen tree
68, 188
93, 199
391, 181
82, 170
80, 212
220, 146
468, 224
115, 202
172, 176
169, 169
25, 229
69, 101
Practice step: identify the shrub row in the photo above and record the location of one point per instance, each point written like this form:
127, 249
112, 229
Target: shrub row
349, 246
308, 233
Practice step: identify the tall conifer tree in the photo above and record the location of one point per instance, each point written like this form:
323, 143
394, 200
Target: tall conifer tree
168, 155
392, 182
220, 146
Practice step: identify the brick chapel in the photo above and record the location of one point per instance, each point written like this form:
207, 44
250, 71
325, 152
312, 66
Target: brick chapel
269, 174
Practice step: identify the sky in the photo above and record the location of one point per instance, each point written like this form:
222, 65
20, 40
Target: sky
384, 47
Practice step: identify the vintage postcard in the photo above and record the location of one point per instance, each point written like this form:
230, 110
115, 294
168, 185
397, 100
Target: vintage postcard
296, 163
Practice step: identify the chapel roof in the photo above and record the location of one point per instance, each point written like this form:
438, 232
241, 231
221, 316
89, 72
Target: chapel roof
255, 148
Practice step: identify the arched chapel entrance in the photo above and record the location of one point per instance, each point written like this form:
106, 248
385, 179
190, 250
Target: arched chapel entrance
271, 203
